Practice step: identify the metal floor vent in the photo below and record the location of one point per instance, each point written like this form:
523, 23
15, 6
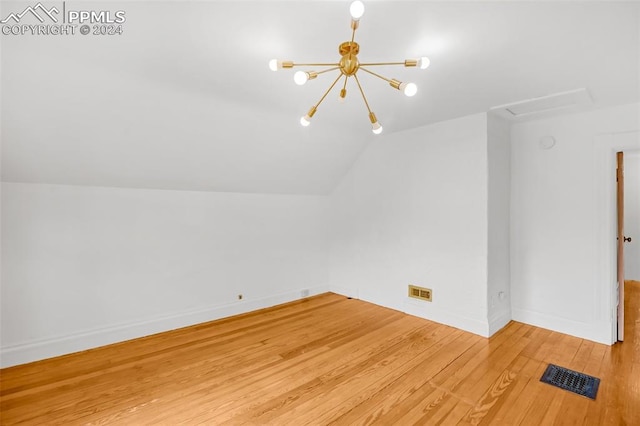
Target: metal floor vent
572, 381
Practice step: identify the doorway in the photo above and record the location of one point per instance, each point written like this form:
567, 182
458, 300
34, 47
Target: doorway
620, 242
632, 215
607, 146
628, 228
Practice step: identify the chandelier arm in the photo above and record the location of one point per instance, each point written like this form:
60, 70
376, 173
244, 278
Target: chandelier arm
388, 80
335, 64
354, 26
343, 91
362, 92
327, 70
327, 92
375, 64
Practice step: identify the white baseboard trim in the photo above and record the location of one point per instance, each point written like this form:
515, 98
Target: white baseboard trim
423, 310
343, 291
599, 332
471, 325
61, 345
498, 322
418, 309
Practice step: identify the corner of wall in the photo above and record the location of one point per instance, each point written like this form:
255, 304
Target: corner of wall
398, 217
498, 222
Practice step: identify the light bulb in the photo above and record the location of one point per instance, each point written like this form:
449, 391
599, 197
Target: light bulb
300, 78
376, 128
276, 64
356, 9
409, 89
424, 62
305, 121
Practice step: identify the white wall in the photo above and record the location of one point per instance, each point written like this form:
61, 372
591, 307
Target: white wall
88, 266
413, 210
498, 203
558, 261
632, 214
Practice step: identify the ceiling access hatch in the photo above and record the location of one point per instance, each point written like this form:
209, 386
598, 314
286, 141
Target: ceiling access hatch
556, 101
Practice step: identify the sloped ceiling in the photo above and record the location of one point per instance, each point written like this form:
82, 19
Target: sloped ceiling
183, 99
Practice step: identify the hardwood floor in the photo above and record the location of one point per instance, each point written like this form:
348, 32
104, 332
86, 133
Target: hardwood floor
330, 360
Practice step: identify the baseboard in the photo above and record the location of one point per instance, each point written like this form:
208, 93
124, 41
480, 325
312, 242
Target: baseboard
498, 322
599, 332
471, 325
61, 345
343, 291
417, 308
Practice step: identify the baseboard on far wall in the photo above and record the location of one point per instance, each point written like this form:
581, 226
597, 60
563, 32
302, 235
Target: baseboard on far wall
343, 291
61, 345
416, 308
472, 325
599, 332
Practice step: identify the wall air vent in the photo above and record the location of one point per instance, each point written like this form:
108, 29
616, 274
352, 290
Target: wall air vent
556, 101
420, 293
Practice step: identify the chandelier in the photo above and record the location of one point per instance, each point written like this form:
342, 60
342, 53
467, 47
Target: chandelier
348, 67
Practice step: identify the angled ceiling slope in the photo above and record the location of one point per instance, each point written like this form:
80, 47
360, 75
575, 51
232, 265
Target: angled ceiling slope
184, 99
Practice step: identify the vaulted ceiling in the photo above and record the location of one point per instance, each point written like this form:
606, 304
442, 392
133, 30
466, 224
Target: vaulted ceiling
183, 99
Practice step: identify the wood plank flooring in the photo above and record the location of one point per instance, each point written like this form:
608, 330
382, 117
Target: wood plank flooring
329, 360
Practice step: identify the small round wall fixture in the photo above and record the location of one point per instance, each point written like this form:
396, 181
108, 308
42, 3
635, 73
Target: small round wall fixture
547, 142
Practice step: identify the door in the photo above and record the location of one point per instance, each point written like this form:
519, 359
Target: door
620, 198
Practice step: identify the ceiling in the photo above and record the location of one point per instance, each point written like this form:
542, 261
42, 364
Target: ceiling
183, 99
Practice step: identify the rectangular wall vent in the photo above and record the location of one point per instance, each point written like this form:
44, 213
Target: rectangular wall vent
420, 293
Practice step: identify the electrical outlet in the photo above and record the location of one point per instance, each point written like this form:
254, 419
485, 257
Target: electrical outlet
239, 297
305, 293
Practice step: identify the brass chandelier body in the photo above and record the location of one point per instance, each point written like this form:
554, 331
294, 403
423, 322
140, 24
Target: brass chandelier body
349, 62
349, 65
